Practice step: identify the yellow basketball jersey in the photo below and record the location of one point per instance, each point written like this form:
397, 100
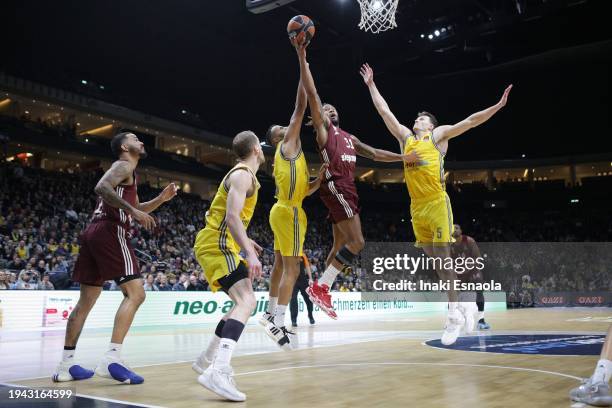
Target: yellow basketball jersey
291, 177
215, 216
426, 177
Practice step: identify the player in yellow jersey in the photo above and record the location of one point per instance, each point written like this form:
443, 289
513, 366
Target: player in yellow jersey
217, 249
287, 218
430, 208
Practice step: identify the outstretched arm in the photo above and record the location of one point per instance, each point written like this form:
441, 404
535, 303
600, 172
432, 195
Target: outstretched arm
316, 108
446, 132
398, 130
166, 195
292, 136
381, 155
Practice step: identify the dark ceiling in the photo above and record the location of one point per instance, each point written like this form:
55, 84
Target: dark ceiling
231, 70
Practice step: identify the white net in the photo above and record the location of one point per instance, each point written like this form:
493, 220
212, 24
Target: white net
377, 15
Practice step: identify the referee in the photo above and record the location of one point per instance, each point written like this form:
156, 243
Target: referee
303, 281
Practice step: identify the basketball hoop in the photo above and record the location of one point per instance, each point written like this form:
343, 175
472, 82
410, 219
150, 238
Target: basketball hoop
377, 15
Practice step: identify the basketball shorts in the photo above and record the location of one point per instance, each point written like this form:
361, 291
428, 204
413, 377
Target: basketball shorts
341, 200
288, 224
219, 256
432, 220
105, 254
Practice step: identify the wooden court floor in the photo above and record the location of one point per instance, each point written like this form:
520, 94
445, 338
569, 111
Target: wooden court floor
390, 373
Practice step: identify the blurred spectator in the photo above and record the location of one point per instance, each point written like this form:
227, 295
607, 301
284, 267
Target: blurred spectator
163, 284
45, 284
194, 284
25, 281
149, 284
4, 280
182, 282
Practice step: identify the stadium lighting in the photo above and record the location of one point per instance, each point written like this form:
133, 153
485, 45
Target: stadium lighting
422, 35
523, 155
574, 200
430, 36
84, 82
437, 33
184, 112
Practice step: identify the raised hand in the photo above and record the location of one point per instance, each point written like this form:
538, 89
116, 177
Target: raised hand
504, 98
367, 73
169, 192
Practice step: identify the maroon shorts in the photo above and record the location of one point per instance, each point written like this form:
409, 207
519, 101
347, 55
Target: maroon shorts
341, 200
105, 254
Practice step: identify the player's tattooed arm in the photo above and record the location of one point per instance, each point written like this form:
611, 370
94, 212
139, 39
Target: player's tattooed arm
381, 155
291, 142
443, 133
399, 131
120, 171
319, 121
239, 184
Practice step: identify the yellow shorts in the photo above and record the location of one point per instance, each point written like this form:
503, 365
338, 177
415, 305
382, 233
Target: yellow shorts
289, 227
432, 220
218, 255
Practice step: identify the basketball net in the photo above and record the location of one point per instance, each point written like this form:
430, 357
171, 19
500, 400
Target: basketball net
377, 15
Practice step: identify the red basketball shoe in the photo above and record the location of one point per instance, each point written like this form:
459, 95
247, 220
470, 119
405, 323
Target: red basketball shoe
319, 294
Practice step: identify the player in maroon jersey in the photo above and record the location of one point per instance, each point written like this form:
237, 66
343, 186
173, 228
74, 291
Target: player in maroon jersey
338, 149
466, 247
106, 254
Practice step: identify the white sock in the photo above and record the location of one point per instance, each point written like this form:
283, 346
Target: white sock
603, 371
272, 305
279, 315
114, 350
212, 348
329, 276
452, 306
224, 353
480, 315
67, 355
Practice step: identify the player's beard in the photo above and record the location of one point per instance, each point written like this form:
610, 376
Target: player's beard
335, 121
141, 153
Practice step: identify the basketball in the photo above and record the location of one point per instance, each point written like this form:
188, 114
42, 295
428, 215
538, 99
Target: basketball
301, 28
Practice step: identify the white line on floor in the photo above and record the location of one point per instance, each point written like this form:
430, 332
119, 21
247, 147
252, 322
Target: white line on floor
398, 363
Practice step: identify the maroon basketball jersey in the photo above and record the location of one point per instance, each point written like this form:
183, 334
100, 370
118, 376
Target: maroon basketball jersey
462, 248
339, 154
106, 212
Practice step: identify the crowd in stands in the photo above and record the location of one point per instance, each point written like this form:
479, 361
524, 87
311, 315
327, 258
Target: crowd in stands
42, 214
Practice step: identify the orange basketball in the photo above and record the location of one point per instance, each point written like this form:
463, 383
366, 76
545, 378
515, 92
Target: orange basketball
301, 29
